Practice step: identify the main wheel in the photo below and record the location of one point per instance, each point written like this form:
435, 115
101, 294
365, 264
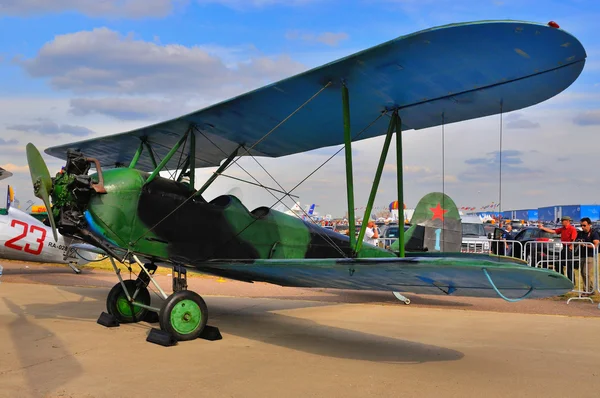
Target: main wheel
118, 306
184, 315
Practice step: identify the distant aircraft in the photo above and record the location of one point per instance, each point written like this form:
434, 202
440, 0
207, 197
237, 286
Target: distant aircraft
24, 238
296, 211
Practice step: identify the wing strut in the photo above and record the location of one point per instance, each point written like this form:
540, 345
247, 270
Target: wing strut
137, 155
349, 178
171, 153
375, 186
219, 171
400, 179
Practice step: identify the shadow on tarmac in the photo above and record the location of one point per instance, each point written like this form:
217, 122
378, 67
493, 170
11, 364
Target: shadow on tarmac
253, 318
36, 346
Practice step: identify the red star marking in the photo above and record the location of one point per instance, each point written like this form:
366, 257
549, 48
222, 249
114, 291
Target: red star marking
438, 212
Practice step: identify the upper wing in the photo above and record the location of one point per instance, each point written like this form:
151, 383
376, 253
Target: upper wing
448, 273
460, 71
4, 174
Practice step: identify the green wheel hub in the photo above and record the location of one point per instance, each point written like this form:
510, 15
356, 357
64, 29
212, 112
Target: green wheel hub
124, 307
119, 306
186, 316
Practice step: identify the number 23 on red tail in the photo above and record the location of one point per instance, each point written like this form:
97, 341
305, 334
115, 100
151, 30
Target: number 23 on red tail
26, 229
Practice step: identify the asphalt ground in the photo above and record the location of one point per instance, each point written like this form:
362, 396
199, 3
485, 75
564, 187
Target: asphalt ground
288, 342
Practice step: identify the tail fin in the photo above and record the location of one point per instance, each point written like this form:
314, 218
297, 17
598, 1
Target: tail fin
311, 210
436, 226
10, 197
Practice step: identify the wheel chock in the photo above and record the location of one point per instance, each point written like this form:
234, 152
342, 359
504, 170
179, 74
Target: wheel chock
107, 320
161, 337
151, 317
211, 333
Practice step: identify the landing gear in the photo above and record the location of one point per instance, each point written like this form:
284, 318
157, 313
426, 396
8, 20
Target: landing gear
74, 268
402, 298
124, 310
182, 316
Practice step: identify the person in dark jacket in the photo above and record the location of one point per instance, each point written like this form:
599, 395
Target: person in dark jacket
589, 260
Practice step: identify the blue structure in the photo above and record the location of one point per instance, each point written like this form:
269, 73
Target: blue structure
532, 215
591, 211
526, 214
547, 213
573, 211
551, 213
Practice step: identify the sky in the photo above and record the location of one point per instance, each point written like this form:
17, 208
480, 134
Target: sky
78, 69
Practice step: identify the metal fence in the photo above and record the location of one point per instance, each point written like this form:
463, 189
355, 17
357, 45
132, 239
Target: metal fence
578, 261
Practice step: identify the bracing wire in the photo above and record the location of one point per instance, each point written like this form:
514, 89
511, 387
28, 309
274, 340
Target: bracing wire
443, 180
323, 235
288, 192
500, 167
247, 150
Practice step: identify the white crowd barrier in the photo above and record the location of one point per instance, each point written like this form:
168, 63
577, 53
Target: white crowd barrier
578, 261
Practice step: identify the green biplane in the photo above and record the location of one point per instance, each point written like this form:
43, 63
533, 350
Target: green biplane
441, 75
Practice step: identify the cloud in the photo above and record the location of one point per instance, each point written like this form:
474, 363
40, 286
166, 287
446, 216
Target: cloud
535, 192
487, 169
125, 108
12, 141
589, 118
243, 4
509, 156
91, 8
329, 38
516, 121
13, 168
103, 60
46, 127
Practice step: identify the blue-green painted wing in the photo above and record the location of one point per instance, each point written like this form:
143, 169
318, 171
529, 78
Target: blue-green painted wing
461, 71
445, 273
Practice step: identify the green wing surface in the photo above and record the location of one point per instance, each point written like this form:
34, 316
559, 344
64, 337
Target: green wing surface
446, 273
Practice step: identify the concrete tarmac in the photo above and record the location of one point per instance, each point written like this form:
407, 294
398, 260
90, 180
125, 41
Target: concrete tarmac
51, 346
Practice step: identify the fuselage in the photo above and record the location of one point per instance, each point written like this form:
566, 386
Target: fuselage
162, 220
24, 238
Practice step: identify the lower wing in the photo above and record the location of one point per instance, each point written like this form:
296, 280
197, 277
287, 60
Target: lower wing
450, 274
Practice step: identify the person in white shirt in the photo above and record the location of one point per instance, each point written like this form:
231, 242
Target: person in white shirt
371, 234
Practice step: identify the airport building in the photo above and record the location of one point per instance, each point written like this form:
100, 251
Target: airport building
576, 212
551, 213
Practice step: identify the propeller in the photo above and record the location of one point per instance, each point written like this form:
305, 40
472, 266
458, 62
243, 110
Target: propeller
42, 183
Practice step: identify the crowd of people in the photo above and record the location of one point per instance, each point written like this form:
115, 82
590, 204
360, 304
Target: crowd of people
569, 234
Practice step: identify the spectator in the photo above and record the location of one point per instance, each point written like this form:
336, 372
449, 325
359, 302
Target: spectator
568, 233
371, 234
591, 237
508, 235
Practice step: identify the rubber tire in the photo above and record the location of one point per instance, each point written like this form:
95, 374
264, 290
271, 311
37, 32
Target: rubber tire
117, 292
164, 317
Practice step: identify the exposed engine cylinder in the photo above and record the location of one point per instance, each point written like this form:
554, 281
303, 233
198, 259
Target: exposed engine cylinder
71, 193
